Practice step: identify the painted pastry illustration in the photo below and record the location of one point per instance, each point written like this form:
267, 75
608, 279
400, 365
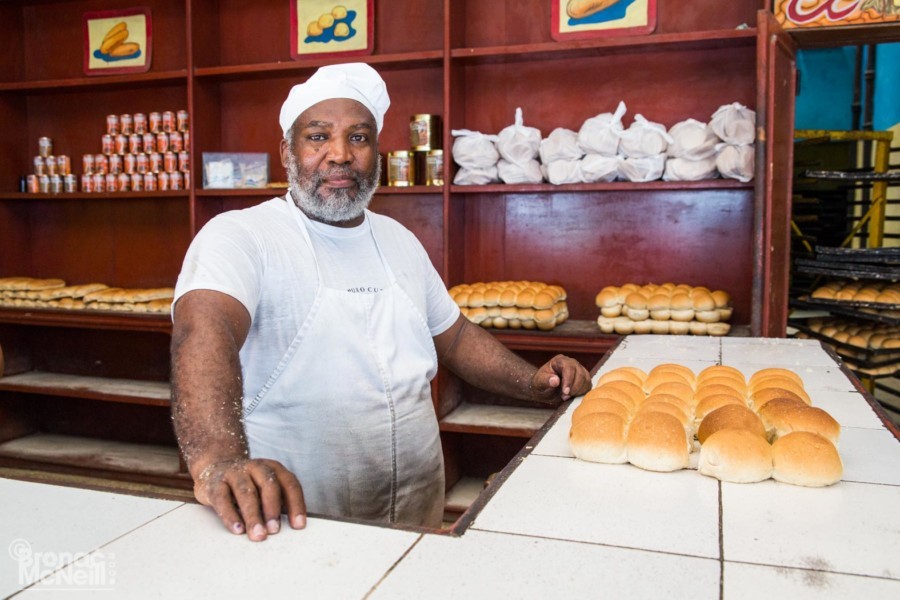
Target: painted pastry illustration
332, 26
115, 47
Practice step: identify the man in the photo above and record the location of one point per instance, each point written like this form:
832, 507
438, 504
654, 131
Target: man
307, 330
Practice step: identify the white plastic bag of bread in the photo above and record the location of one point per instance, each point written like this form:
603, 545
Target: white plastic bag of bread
561, 144
517, 143
643, 169
643, 138
692, 139
736, 162
28, 292
745, 431
685, 169
668, 308
597, 167
512, 304
874, 292
559, 172
474, 150
601, 134
525, 172
734, 124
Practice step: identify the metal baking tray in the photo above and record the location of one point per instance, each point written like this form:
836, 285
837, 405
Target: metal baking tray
850, 309
847, 270
868, 357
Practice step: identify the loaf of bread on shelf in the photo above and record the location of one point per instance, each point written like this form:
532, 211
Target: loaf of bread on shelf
512, 304
807, 459
70, 291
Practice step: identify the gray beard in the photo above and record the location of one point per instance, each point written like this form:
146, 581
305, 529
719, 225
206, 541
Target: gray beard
341, 206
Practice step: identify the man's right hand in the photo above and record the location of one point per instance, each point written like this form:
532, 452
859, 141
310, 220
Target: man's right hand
249, 495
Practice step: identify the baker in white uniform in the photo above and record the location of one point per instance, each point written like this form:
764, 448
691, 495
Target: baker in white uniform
307, 331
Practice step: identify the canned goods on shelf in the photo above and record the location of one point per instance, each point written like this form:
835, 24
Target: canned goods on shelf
87, 163
187, 140
107, 144
148, 142
31, 184
187, 180
154, 162
63, 164
150, 182
44, 184
128, 163
112, 124
140, 123
162, 142
45, 147
162, 180
434, 167
176, 142
111, 182
168, 121
154, 122
170, 162
181, 120
70, 183
40, 165
99, 182
87, 183
50, 165
123, 182
176, 181
101, 164
141, 163
184, 162
401, 169
121, 143
137, 182
425, 132
135, 143
56, 184
115, 163
126, 124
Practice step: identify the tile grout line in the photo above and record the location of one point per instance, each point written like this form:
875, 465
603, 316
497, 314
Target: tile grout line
721, 547
812, 570
393, 566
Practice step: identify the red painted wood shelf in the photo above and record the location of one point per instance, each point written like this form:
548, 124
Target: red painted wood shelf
127, 391
86, 319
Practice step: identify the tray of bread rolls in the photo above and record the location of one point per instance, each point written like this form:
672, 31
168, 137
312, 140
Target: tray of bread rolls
54, 294
860, 345
869, 294
512, 304
889, 316
889, 256
744, 430
674, 309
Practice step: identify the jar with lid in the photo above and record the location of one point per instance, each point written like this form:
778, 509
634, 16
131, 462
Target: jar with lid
401, 168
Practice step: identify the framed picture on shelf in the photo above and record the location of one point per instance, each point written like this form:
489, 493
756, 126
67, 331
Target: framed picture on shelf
331, 28
831, 13
117, 41
235, 170
585, 19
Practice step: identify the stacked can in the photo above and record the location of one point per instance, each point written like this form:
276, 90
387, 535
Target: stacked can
140, 152
423, 163
52, 173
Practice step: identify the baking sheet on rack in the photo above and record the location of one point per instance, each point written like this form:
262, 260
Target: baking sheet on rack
866, 357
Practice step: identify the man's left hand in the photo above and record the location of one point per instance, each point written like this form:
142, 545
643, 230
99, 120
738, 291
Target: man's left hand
562, 378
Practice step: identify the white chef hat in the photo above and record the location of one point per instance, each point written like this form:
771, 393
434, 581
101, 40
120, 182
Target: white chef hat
357, 81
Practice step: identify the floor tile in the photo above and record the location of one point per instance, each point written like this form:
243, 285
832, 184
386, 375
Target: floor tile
47, 525
619, 505
493, 565
751, 582
870, 456
850, 409
329, 559
848, 527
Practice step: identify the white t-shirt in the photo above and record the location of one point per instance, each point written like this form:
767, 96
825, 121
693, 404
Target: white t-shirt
260, 257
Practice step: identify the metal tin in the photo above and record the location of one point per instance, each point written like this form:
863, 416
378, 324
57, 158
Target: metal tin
70, 183
425, 132
163, 182
121, 143
56, 184
128, 163
87, 183
187, 180
176, 142
170, 162
148, 142
45, 146
101, 164
112, 124
184, 162
135, 143
154, 122
99, 182
111, 181
137, 182
140, 123
162, 142
141, 164
43, 184
31, 184
150, 182
50, 165
116, 163
154, 162
176, 181
123, 182
87, 163
401, 169
434, 167
107, 145
168, 121
126, 124
63, 164
187, 140
40, 165
181, 120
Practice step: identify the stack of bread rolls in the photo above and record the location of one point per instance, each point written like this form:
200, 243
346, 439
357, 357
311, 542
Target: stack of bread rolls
512, 304
28, 292
866, 336
859, 291
663, 309
746, 431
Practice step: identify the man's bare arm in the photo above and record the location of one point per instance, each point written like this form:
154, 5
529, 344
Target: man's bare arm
210, 328
477, 357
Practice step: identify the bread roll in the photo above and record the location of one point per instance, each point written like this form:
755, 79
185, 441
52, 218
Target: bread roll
599, 437
681, 308
623, 326
704, 390
720, 328
759, 398
804, 458
736, 455
772, 410
643, 327
611, 311
620, 374
659, 327
697, 328
606, 299
634, 391
657, 378
674, 367
658, 305
731, 416
702, 301
731, 382
775, 371
605, 324
683, 406
609, 393
707, 316
669, 409
778, 381
657, 441
600, 405
711, 403
677, 327
784, 419
543, 300
721, 298
680, 390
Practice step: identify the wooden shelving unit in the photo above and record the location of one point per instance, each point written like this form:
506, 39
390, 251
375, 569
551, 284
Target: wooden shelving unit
472, 63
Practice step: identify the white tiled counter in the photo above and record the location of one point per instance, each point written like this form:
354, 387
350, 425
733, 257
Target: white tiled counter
549, 527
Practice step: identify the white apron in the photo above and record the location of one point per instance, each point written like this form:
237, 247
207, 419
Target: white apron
348, 407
